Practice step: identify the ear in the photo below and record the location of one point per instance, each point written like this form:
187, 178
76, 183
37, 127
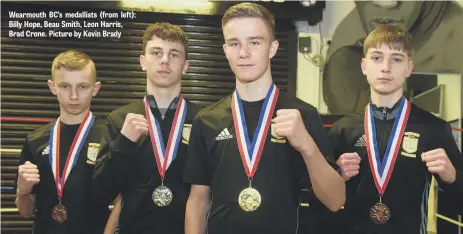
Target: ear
224, 46
273, 48
142, 62
96, 88
411, 66
186, 66
363, 64
51, 86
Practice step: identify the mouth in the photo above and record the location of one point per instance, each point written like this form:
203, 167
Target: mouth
245, 65
74, 105
384, 79
163, 72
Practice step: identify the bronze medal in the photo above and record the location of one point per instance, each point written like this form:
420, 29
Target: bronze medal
59, 213
249, 199
380, 213
162, 196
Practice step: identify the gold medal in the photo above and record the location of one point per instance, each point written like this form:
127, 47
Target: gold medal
380, 213
249, 199
59, 213
162, 196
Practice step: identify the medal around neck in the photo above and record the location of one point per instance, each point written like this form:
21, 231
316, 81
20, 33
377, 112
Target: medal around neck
164, 155
162, 196
59, 212
250, 199
382, 171
380, 213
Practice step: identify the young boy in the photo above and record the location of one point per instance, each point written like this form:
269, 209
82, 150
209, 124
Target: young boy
389, 153
143, 149
252, 149
57, 160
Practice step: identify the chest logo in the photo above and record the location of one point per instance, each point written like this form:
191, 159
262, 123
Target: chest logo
186, 133
92, 152
361, 142
410, 144
46, 150
224, 135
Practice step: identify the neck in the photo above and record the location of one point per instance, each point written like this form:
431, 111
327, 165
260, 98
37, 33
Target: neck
71, 119
387, 100
163, 95
256, 90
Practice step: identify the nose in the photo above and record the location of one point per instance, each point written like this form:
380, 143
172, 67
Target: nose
165, 59
244, 51
74, 93
386, 66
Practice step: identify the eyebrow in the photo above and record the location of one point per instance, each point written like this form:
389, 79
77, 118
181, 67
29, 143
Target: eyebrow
81, 83
171, 50
393, 54
255, 38
234, 39
248, 38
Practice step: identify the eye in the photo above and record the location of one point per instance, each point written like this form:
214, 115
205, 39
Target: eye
157, 53
397, 60
376, 58
255, 43
174, 55
233, 44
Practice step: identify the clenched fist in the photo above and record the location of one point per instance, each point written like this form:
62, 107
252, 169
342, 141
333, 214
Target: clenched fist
439, 163
134, 127
289, 124
28, 175
349, 164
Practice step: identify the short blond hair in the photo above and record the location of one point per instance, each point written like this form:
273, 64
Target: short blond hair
250, 10
72, 60
392, 35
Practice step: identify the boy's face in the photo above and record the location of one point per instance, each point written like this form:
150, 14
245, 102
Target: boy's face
74, 89
164, 62
386, 69
248, 47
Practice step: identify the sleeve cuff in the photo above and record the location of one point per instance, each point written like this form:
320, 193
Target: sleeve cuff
458, 183
456, 186
124, 145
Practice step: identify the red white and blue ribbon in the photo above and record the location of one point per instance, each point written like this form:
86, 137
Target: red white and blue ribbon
382, 171
74, 151
165, 155
251, 151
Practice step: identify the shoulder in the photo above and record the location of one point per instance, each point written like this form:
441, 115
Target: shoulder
118, 115
39, 138
41, 132
352, 120
215, 112
192, 108
308, 112
425, 117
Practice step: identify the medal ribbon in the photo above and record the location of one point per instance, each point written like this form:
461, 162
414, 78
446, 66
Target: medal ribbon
382, 171
78, 142
251, 153
164, 156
